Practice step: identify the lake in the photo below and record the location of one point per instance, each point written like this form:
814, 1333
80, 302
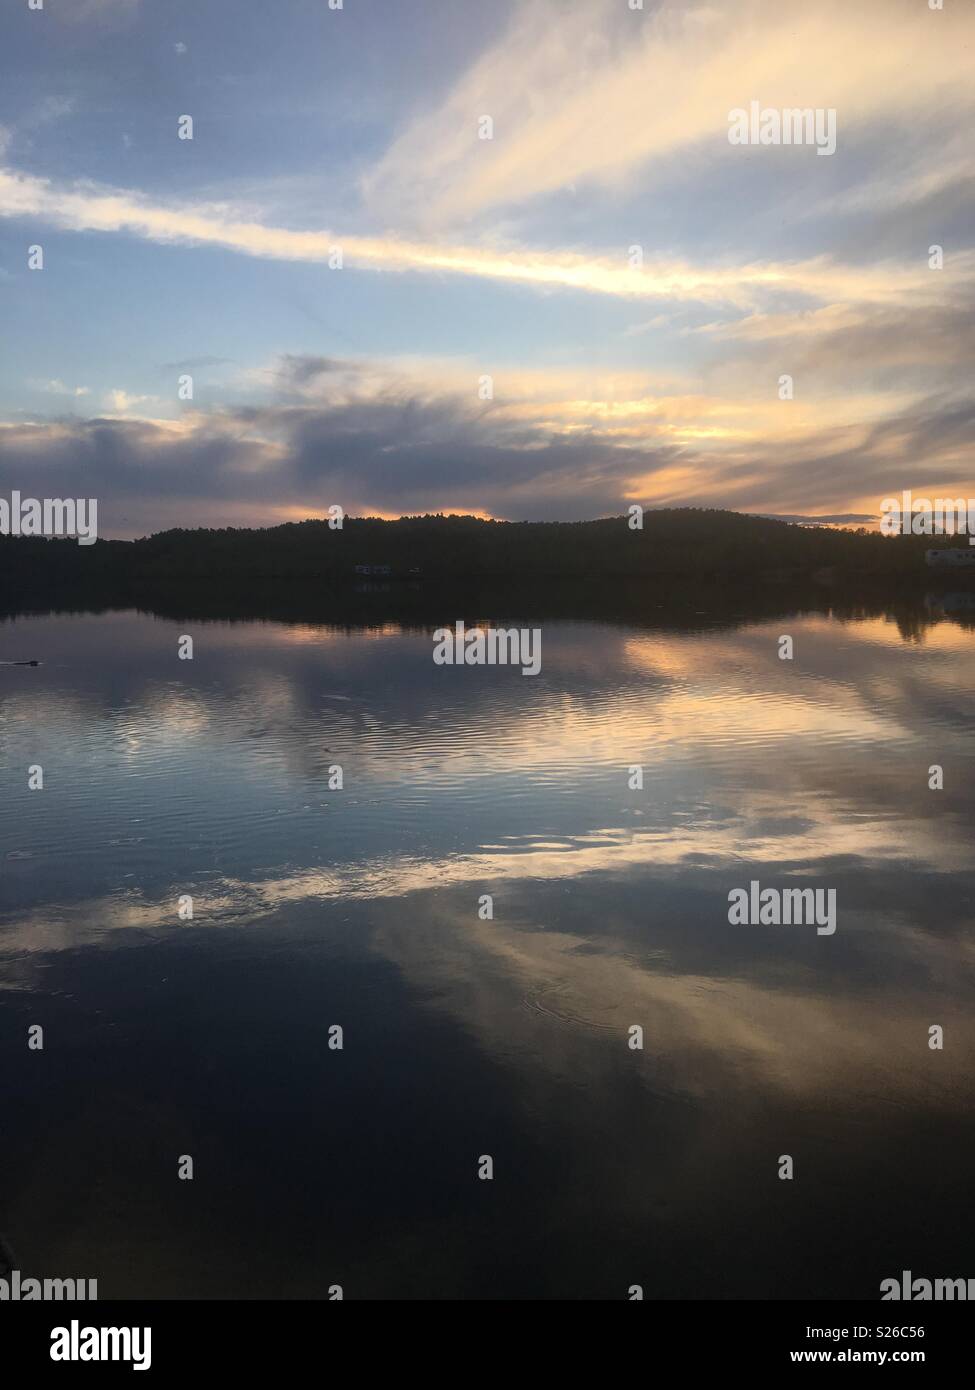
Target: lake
470, 1030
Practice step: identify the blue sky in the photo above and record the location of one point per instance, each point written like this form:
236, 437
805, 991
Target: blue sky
465, 258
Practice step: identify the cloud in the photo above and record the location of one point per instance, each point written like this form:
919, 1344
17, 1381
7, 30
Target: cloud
385, 439
58, 388
46, 112
595, 94
121, 402
612, 102
889, 350
85, 207
50, 109
261, 467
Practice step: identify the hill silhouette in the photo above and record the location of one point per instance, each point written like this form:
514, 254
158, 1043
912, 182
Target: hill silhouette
681, 541
688, 567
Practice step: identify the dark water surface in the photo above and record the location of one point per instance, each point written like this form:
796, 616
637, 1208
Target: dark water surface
465, 1037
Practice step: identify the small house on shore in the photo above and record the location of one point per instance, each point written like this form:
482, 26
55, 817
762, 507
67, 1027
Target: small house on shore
952, 557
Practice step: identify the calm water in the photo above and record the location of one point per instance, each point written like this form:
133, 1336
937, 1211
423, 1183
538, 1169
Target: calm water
464, 1037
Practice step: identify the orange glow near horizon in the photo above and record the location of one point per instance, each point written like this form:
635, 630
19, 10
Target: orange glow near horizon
298, 513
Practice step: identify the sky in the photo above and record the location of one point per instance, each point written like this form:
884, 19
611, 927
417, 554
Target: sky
382, 309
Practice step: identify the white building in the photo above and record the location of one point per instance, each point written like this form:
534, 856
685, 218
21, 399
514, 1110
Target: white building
951, 558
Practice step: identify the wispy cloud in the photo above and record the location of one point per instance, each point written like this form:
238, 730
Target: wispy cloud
121, 402
57, 388
592, 93
84, 207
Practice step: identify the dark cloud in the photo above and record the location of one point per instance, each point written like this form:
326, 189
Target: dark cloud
914, 348
300, 370
923, 348
397, 452
387, 456
923, 447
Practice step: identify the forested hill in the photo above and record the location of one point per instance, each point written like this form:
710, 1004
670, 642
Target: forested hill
685, 541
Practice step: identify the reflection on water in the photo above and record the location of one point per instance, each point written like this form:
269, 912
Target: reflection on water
358, 906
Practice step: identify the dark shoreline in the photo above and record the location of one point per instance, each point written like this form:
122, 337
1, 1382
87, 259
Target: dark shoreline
684, 564
655, 603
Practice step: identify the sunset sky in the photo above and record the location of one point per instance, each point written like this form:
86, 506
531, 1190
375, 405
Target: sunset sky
464, 258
